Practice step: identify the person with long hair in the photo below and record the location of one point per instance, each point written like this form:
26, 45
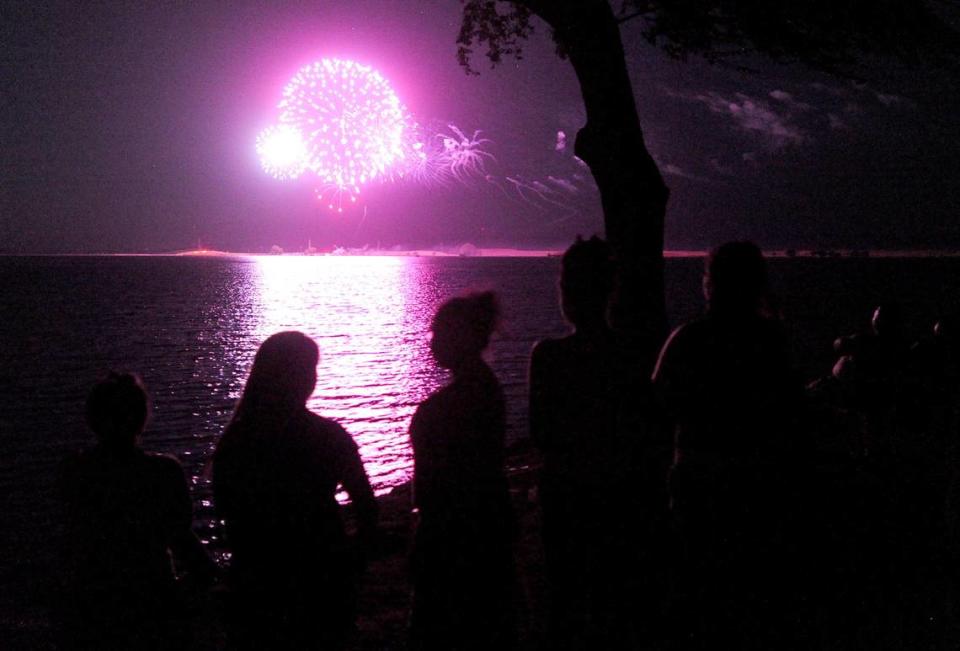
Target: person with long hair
276, 472
463, 554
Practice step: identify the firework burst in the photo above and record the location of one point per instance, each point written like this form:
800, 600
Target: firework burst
282, 152
342, 122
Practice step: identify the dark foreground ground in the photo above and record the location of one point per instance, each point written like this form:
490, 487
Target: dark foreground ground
385, 596
917, 615
384, 605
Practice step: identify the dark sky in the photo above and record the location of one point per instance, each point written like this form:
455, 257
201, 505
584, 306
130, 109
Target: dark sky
130, 127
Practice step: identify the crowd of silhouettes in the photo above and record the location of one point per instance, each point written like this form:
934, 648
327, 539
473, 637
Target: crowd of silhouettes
712, 501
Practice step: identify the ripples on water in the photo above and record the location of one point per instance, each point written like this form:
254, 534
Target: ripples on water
190, 328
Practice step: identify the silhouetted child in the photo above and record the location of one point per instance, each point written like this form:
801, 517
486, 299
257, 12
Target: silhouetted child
462, 558
591, 486
727, 384
126, 511
276, 472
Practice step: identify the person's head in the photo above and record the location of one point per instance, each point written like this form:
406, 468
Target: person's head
462, 328
586, 281
845, 369
117, 410
735, 280
887, 321
944, 329
284, 373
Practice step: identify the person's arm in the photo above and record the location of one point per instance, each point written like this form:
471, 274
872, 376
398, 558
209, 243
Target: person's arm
539, 396
422, 467
357, 485
669, 374
188, 551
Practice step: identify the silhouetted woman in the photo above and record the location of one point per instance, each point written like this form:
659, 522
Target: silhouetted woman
728, 386
275, 476
463, 563
126, 511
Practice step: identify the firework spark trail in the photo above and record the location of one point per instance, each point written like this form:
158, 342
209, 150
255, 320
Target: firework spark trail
423, 160
523, 188
540, 197
463, 157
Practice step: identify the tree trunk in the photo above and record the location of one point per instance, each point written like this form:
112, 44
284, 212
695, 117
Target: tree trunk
632, 191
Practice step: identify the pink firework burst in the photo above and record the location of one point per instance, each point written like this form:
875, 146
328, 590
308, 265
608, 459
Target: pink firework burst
351, 121
340, 123
282, 152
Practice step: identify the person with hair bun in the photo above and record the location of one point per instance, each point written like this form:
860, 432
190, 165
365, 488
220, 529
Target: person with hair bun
463, 548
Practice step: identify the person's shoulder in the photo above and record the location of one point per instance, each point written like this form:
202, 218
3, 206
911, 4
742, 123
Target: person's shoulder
160, 459
328, 428
434, 409
71, 466
690, 333
162, 464
773, 331
318, 422
547, 351
434, 402
547, 346
682, 347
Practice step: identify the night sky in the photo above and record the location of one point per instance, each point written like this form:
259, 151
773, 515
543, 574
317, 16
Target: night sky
129, 128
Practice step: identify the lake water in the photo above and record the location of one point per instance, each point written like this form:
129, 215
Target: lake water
190, 327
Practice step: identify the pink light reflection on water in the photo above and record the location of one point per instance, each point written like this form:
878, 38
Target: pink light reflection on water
370, 316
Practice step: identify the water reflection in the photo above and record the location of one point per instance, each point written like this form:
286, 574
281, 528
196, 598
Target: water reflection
370, 316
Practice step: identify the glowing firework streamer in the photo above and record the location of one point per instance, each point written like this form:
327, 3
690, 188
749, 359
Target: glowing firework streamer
463, 157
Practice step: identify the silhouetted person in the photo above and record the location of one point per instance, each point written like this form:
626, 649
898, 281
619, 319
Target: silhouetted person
727, 384
926, 449
934, 376
276, 472
463, 557
881, 356
580, 388
126, 511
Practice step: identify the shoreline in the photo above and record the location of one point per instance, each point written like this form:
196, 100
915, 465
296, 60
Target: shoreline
493, 252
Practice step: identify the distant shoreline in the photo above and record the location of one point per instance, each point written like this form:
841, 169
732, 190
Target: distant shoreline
500, 253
